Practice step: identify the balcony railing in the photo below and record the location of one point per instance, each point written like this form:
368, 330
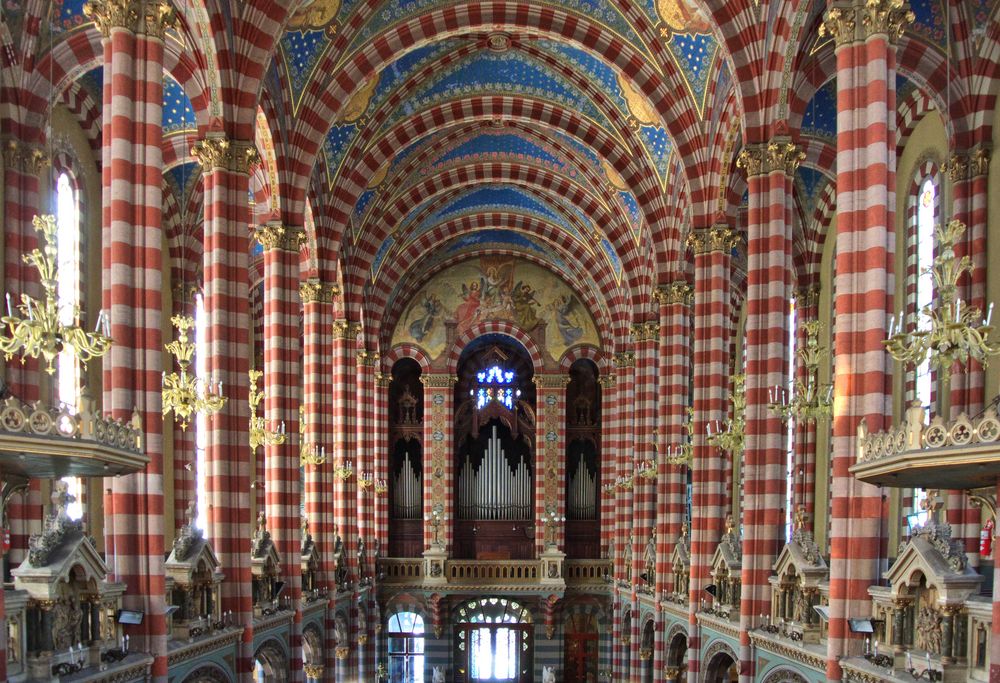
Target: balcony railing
962, 453
395, 570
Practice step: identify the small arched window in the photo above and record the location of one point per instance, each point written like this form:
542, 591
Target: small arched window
927, 208
406, 648
68, 257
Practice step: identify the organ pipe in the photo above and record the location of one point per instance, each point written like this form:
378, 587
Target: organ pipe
494, 491
407, 492
582, 493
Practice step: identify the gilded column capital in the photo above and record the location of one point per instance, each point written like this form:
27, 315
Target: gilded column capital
965, 165
276, 236
112, 14
25, 157
808, 296
185, 292
679, 292
716, 238
840, 23
367, 359
345, 329
158, 17
783, 156
886, 17
606, 381
645, 331
218, 152
751, 159
550, 381
624, 359
438, 381
313, 291
979, 162
383, 380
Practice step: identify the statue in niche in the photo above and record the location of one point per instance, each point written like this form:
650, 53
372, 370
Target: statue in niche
649, 558
802, 606
66, 620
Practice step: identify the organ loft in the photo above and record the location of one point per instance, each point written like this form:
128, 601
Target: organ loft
499, 341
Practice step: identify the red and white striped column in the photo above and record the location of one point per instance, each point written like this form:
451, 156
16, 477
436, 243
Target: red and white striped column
712, 249
646, 336
367, 362
671, 482
609, 464
866, 170
770, 170
439, 399
282, 386
132, 278
226, 165
624, 429
317, 365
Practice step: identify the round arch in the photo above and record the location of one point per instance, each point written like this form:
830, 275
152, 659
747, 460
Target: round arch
270, 656
208, 673
501, 327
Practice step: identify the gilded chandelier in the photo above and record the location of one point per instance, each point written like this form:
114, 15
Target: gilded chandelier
809, 401
682, 454
35, 329
949, 330
309, 452
728, 436
183, 393
260, 435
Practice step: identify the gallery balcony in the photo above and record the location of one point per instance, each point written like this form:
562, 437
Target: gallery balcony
514, 575
38, 441
962, 453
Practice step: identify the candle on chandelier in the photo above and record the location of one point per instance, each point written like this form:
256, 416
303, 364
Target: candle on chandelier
989, 312
10, 308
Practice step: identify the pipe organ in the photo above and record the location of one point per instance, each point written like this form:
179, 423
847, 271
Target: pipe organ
494, 490
582, 500
407, 496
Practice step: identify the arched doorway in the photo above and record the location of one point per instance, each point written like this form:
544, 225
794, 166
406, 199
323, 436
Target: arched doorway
722, 668
581, 652
494, 451
676, 670
493, 642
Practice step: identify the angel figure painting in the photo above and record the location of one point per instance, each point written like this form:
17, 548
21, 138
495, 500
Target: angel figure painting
496, 288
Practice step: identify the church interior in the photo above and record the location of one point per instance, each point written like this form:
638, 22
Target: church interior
468, 341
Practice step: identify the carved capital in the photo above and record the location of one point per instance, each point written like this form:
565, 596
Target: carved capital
111, 14
557, 381
679, 292
886, 17
344, 329
957, 167
158, 17
783, 156
751, 159
313, 670
438, 381
24, 157
314, 291
841, 24
624, 359
382, 381
645, 331
606, 381
218, 152
808, 296
368, 359
979, 162
274, 236
716, 238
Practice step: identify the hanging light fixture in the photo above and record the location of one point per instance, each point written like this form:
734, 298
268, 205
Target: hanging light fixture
34, 328
728, 436
808, 401
183, 393
260, 435
309, 452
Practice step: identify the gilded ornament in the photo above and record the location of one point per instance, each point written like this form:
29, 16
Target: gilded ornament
313, 291
808, 296
638, 106
498, 42
751, 158
624, 359
342, 329
357, 105
24, 157
272, 236
957, 167
888, 17
314, 14
716, 238
980, 162
112, 14
218, 152
368, 359
159, 16
679, 292
841, 24
784, 157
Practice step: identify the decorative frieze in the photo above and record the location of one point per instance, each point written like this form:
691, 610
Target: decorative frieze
218, 152
557, 381
438, 381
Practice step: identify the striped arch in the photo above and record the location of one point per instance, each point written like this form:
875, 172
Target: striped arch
909, 114
581, 351
404, 602
606, 327
324, 97
87, 113
406, 350
592, 265
502, 327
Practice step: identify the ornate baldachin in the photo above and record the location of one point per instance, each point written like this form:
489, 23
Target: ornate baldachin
218, 152
275, 236
717, 238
